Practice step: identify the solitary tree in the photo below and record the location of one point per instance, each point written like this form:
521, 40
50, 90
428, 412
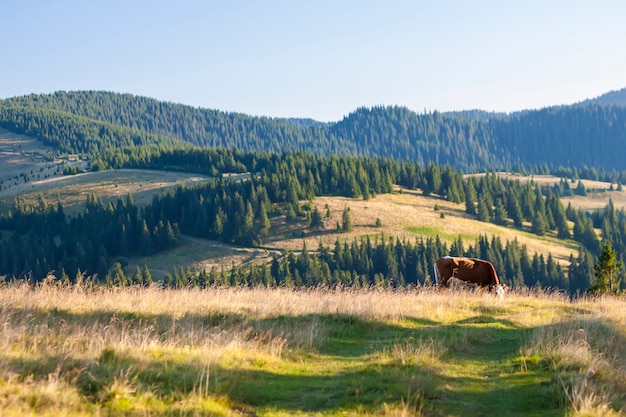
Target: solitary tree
606, 270
346, 221
317, 222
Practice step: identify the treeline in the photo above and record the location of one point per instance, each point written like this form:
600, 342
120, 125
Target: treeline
569, 136
384, 262
44, 239
468, 141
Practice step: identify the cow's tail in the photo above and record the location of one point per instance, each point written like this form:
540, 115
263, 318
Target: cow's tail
436, 274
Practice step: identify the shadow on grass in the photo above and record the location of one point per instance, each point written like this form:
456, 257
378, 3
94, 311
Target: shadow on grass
352, 369
367, 388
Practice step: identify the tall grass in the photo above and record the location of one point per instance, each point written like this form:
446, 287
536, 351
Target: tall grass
152, 351
588, 353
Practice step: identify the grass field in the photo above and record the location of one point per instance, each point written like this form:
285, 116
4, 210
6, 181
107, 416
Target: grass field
109, 185
598, 194
276, 352
21, 158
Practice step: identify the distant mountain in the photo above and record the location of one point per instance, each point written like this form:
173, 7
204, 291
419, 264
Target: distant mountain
612, 98
574, 136
305, 122
479, 115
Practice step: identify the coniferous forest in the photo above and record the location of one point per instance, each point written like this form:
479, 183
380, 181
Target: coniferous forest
290, 162
563, 137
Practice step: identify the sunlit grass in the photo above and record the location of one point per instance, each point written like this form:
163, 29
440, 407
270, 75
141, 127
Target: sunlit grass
217, 351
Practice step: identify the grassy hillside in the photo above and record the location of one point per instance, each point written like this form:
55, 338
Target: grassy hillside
72, 190
260, 352
23, 159
598, 192
407, 215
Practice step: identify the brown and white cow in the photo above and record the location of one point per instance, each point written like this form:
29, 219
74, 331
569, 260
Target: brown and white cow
459, 271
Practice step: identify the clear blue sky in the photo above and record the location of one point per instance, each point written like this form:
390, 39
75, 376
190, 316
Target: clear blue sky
319, 59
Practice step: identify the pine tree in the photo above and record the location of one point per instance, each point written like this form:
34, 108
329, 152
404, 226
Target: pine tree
137, 277
483, 211
432, 179
606, 271
500, 213
119, 278
346, 221
264, 221
470, 197
540, 225
515, 210
580, 271
317, 222
291, 213
580, 189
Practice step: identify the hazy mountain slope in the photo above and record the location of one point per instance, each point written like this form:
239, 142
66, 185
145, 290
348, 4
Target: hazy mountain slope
201, 127
571, 136
614, 98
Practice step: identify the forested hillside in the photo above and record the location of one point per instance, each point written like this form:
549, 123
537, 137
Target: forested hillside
367, 153
41, 238
617, 98
589, 135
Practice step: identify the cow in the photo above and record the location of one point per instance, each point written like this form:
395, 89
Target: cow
458, 271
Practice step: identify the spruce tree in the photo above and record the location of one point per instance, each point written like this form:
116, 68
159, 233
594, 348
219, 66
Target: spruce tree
317, 222
470, 197
147, 276
346, 221
483, 210
500, 213
606, 271
540, 224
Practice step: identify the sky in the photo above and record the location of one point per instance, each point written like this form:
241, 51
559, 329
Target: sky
318, 59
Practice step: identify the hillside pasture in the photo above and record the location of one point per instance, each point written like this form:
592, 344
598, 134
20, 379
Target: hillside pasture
22, 160
409, 215
598, 192
72, 190
404, 214
77, 351
197, 254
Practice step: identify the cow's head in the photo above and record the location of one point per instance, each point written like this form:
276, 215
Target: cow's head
500, 290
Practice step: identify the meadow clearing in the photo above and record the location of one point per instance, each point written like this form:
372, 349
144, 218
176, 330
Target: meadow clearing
139, 351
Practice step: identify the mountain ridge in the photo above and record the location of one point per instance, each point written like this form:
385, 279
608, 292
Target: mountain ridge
614, 98
473, 140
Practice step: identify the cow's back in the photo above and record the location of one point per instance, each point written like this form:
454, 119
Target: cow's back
476, 271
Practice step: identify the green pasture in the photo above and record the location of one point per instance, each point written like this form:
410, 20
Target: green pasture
485, 359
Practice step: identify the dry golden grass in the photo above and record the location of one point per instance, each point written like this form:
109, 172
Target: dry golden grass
52, 338
107, 185
588, 352
409, 215
598, 194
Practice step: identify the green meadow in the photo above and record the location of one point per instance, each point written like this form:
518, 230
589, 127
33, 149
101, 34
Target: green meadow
278, 352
